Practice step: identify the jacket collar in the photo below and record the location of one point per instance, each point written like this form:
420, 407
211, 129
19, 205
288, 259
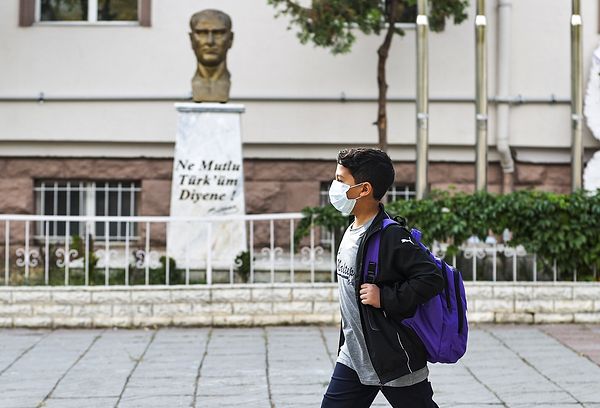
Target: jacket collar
377, 221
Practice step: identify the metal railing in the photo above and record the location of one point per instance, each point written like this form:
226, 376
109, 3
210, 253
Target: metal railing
273, 254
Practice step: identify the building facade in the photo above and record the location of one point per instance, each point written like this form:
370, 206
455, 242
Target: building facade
87, 123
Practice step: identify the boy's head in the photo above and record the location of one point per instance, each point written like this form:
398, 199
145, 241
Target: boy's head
372, 169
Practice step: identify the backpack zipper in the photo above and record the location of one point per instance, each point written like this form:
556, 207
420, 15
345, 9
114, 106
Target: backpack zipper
459, 305
447, 288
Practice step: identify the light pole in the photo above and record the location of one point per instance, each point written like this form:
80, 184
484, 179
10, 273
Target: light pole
422, 99
481, 98
576, 97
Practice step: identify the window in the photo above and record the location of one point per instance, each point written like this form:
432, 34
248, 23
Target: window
400, 192
72, 198
90, 10
84, 11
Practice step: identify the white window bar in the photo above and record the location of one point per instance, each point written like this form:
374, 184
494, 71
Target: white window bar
80, 227
55, 208
106, 213
40, 203
68, 211
132, 205
119, 213
535, 267
554, 271
90, 207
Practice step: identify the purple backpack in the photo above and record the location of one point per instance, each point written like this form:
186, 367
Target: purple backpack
441, 322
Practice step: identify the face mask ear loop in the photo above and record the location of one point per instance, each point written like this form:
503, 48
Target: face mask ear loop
356, 185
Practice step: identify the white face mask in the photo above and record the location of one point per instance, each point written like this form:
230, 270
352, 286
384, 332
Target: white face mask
339, 199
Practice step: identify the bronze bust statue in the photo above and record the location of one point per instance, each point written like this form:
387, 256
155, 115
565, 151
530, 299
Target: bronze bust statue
211, 37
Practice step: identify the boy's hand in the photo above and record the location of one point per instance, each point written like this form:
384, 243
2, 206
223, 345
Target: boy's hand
369, 295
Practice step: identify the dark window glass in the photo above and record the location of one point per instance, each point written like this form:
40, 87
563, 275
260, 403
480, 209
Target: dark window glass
64, 10
408, 14
117, 10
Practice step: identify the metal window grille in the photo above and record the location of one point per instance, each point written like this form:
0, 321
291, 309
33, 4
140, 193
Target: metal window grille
73, 198
400, 192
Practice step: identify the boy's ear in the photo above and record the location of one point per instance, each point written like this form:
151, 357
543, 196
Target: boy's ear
367, 189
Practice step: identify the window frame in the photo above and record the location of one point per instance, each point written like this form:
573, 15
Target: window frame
87, 190
31, 10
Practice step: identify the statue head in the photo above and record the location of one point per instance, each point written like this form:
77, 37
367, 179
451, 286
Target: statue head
211, 36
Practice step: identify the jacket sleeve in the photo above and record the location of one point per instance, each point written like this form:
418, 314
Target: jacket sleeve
418, 277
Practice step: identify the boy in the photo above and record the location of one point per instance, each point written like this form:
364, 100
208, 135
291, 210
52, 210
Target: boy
377, 352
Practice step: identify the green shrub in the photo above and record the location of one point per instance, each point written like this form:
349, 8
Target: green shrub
561, 227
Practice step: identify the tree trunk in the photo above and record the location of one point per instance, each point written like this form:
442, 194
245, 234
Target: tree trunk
383, 53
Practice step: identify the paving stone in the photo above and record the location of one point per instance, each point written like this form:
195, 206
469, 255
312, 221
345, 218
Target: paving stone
103, 402
505, 366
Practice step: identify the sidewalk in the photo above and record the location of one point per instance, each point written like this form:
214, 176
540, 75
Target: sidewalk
277, 367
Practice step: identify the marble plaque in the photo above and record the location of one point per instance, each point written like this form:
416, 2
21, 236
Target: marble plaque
591, 173
592, 96
208, 180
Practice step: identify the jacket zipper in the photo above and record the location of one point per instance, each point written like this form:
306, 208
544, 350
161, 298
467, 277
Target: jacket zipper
358, 278
403, 349
402, 346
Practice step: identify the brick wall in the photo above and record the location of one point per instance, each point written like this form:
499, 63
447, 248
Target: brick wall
261, 304
270, 185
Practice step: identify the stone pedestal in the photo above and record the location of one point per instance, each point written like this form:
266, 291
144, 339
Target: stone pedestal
592, 97
208, 181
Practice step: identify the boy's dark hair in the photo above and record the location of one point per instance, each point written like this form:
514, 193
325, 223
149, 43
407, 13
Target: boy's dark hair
372, 165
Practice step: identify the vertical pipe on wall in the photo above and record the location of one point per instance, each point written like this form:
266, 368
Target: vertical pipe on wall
503, 91
576, 97
481, 97
422, 99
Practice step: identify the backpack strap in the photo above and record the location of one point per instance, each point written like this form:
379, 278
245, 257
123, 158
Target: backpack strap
371, 261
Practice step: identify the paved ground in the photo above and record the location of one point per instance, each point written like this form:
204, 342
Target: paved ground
277, 367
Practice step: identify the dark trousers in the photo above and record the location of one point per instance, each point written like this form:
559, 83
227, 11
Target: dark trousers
346, 391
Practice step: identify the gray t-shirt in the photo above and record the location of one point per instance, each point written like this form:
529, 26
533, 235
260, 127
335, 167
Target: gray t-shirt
353, 352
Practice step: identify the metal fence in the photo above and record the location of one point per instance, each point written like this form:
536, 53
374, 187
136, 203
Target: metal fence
273, 253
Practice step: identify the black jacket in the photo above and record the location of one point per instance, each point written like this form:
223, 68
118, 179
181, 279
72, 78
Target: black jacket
407, 278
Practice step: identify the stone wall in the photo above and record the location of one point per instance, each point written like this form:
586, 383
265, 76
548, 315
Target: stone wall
262, 304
